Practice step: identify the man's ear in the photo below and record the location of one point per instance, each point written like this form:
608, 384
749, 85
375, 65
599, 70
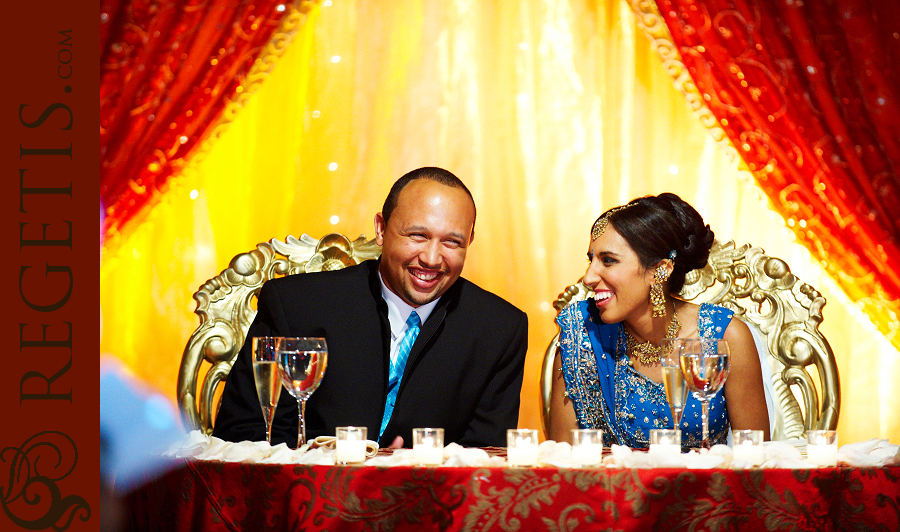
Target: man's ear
380, 227
472, 236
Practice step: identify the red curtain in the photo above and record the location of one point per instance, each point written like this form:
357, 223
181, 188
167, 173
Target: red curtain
168, 70
809, 95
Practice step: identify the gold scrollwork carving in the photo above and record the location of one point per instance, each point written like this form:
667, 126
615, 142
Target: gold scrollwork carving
225, 307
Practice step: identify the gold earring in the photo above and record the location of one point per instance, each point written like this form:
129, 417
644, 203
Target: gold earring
657, 297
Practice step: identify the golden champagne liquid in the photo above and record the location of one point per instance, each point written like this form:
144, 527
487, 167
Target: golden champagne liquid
268, 384
676, 389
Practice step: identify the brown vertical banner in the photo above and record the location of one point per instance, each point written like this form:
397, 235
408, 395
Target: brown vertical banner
49, 392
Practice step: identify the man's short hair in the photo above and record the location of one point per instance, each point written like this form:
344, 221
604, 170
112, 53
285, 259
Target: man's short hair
433, 173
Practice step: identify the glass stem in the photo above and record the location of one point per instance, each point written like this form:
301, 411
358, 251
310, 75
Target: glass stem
676, 417
269, 426
705, 418
301, 429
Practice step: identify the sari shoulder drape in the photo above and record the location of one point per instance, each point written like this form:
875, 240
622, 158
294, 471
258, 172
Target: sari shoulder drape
609, 394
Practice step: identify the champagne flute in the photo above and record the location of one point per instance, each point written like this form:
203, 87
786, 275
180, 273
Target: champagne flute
673, 377
302, 362
266, 376
704, 362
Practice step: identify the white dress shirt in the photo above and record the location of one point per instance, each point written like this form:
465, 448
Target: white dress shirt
398, 313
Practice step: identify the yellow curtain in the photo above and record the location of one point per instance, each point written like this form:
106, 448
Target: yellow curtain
551, 111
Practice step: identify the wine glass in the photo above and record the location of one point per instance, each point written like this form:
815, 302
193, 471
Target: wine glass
266, 376
302, 362
704, 362
673, 377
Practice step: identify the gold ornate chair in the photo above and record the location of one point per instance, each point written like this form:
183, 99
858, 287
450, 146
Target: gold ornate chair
784, 314
226, 306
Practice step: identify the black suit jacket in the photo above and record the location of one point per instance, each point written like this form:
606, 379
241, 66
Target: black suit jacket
464, 373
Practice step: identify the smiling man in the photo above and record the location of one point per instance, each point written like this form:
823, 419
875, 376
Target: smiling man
410, 342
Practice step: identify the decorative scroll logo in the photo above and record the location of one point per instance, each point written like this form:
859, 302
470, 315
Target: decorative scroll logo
31, 498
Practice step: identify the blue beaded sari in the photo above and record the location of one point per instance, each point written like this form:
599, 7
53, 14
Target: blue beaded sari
610, 395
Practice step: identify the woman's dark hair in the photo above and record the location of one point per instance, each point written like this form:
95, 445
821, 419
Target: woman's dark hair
654, 226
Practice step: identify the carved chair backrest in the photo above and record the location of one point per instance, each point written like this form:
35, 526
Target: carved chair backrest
226, 306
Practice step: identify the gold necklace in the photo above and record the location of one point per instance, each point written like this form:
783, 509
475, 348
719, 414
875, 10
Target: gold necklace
646, 352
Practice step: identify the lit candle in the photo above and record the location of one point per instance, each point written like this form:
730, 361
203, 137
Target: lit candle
587, 454
522, 447
428, 446
666, 440
821, 448
587, 446
350, 445
748, 446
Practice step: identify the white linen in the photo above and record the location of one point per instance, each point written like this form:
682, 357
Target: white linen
788, 454
869, 453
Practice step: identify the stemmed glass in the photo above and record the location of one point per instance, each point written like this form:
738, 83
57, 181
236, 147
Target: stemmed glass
302, 362
673, 377
704, 363
266, 376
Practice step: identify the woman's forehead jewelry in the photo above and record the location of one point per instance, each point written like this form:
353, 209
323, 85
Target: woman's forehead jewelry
603, 220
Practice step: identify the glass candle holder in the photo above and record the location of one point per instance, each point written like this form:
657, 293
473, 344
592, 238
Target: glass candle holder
522, 447
428, 446
821, 447
587, 446
748, 446
668, 440
350, 444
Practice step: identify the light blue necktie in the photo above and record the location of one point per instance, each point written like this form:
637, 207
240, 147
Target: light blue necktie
397, 367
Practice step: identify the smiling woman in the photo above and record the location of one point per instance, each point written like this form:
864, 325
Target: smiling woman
608, 374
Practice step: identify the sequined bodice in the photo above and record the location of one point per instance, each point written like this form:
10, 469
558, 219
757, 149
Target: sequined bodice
608, 393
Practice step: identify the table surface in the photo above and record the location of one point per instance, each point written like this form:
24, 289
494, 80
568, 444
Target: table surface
209, 495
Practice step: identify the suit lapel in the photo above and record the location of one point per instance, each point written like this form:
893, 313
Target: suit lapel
384, 323
428, 330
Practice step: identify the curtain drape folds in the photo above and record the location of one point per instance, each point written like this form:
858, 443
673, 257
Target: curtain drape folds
169, 71
809, 95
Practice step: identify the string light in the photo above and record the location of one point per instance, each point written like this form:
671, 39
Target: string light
335, 219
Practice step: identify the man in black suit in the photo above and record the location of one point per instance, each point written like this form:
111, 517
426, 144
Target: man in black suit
464, 370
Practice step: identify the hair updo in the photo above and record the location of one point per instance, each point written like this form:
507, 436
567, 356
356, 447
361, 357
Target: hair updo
654, 226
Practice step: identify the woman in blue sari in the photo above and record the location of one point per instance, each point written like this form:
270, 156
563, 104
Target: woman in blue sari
608, 374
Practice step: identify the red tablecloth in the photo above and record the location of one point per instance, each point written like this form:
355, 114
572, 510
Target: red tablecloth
232, 496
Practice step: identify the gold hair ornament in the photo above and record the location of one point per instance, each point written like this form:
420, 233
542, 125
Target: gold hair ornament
603, 220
